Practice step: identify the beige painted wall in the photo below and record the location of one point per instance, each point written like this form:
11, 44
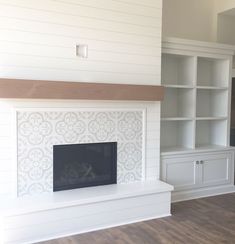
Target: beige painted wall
195, 19
223, 5
225, 20
191, 19
226, 31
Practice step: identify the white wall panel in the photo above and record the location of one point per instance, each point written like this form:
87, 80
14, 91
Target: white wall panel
38, 40
122, 37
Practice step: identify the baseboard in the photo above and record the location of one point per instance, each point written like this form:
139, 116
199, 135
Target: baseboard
179, 196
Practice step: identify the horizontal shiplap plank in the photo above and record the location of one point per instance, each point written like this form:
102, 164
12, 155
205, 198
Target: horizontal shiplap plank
76, 21
153, 163
45, 73
147, 3
151, 176
5, 130
5, 177
73, 64
3, 106
115, 6
64, 9
153, 136
5, 189
5, 153
76, 32
70, 54
6, 166
153, 145
4, 141
5, 119
12, 36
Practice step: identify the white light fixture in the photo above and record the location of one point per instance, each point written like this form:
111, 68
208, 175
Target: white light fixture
82, 50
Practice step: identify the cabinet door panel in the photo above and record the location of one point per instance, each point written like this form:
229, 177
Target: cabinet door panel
215, 171
181, 173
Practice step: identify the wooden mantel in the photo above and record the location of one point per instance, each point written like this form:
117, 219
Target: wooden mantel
42, 89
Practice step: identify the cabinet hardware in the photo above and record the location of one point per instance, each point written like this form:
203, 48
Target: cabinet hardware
197, 162
201, 162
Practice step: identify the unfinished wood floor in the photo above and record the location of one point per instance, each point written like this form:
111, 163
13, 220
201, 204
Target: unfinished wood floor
203, 221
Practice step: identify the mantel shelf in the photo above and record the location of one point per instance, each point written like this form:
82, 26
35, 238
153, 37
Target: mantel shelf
42, 89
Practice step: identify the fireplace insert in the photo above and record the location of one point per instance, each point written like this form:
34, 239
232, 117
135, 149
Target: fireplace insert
84, 165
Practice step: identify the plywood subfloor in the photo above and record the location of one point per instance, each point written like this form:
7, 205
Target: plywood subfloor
202, 221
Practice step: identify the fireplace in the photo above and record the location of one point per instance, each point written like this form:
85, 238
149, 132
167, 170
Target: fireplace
84, 165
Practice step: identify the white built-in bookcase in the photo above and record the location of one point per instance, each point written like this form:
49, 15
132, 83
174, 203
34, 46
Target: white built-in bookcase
195, 112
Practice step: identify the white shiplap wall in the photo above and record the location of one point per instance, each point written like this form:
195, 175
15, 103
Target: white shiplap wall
38, 40
7, 166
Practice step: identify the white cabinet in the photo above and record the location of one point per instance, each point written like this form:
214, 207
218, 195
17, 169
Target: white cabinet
198, 170
215, 169
195, 118
182, 173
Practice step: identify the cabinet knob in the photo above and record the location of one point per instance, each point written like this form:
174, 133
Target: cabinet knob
197, 162
201, 162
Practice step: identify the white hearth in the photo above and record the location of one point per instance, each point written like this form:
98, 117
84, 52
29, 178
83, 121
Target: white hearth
53, 215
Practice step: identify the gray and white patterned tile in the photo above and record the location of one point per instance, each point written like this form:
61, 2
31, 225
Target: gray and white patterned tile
130, 161
71, 127
39, 131
129, 126
101, 126
35, 128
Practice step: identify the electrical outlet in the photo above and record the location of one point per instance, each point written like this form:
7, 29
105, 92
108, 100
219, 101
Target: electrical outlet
82, 51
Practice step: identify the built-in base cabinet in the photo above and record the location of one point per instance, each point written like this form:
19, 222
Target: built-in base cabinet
198, 170
180, 172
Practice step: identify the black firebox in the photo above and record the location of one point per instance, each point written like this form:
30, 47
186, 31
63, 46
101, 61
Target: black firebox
83, 165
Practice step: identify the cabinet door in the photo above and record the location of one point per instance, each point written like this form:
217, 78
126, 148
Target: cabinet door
216, 169
182, 173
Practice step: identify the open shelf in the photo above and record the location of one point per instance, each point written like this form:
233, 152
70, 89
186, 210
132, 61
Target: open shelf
176, 119
212, 103
179, 86
178, 103
212, 87
167, 150
212, 72
177, 134
211, 118
209, 147
178, 69
195, 109
211, 133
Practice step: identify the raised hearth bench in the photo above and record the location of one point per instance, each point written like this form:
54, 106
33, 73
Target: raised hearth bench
65, 213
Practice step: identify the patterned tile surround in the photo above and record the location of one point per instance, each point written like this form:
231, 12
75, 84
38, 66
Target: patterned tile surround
39, 131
